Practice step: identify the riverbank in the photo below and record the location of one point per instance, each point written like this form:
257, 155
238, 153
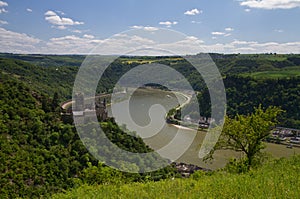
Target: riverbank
170, 116
182, 127
145, 98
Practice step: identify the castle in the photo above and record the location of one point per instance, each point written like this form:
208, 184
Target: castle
84, 109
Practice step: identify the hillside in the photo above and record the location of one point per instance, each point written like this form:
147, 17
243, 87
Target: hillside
56, 73
46, 80
40, 155
277, 179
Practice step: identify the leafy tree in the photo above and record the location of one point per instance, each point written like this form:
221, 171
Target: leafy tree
246, 133
55, 102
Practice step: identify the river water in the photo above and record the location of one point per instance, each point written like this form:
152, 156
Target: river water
146, 116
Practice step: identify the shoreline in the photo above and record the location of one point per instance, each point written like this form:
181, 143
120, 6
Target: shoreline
188, 99
183, 127
64, 105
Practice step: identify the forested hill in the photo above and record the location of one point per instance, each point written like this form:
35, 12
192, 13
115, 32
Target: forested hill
251, 63
245, 93
47, 60
46, 80
250, 80
56, 73
41, 155
227, 63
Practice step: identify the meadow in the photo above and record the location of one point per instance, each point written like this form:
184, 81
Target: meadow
277, 179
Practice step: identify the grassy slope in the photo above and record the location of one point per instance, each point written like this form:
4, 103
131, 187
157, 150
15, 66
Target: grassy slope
278, 179
276, 74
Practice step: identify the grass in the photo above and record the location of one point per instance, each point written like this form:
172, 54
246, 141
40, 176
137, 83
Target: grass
276, 74
148, 61
277, 179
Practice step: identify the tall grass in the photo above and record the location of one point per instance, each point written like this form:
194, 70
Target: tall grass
276, 179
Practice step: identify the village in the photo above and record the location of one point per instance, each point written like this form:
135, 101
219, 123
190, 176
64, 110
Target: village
286, 136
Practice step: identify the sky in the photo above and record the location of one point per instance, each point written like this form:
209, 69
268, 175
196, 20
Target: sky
221, 26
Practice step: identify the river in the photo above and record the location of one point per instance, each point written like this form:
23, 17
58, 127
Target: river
147, 109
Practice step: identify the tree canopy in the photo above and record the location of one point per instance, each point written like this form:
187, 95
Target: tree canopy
246, 133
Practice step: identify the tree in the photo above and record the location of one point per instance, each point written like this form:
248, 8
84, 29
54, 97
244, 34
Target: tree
246, 133
55, 102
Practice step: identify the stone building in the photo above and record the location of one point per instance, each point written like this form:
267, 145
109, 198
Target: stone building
83, 110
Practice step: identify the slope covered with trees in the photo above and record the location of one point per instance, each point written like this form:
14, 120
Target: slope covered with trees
245, 93
41, 155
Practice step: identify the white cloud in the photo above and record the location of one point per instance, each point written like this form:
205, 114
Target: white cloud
70, 44
196, 22
60, 12
194, 11
89, 36
3, 10
3, 22
238, 46
55, 19
238, 42
279, 31
271, 4
131, 41
168, 23
147, 28
229, 29
218, 33
29, 10
247, 10
50, 13
184, 46
3, 3
59, 27
137, 27
76, 31
17, 42
224, 34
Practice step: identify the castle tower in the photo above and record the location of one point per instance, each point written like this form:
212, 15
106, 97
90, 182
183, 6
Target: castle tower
101, 110
79, 102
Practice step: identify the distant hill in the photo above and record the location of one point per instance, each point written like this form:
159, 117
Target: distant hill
47, 80
47, 60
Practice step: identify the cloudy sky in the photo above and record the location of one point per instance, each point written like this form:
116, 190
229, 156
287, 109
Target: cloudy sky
76, 27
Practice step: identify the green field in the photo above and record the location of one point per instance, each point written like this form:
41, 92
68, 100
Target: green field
277, 179
276, 74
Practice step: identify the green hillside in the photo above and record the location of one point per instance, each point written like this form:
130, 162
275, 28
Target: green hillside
287, 72
46, 80
41, 155
277, 179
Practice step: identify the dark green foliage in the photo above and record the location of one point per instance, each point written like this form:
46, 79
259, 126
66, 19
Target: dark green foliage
245, 93
46, 80
40, 155
47, 60
246, 133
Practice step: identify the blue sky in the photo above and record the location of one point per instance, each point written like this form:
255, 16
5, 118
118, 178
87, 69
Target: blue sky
225, 26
